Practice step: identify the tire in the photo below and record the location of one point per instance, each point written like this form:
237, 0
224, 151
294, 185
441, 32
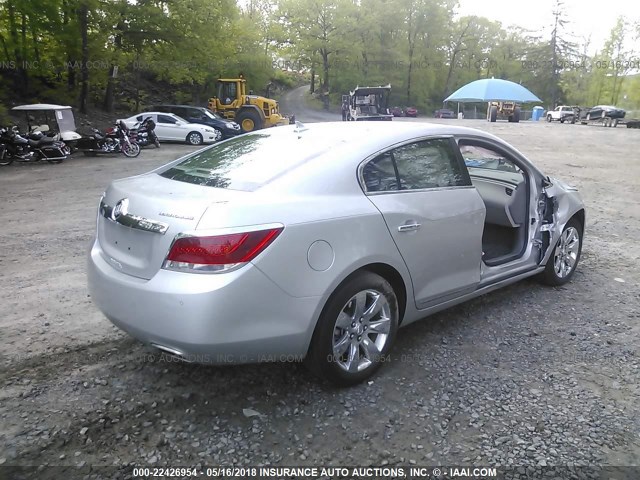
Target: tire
249, 120
555, 273
132, 150
6, 161
194, 138
562, 120
493, 113
549, 118
516, 115
340, 335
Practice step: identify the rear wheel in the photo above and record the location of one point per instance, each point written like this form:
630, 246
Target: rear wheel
493, 113
565, 256
6, 161
249, 120
355, 331
194, 138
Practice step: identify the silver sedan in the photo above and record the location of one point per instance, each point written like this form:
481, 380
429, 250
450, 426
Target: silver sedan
320, 241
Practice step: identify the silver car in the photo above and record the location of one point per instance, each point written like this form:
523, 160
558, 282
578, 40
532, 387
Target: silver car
319, 241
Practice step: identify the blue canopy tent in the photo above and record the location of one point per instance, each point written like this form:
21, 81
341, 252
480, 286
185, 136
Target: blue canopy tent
495, 90
492, 90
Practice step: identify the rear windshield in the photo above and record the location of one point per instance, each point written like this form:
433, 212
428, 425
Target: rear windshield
246, 162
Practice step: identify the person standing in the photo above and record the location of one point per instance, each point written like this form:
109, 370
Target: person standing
345, 110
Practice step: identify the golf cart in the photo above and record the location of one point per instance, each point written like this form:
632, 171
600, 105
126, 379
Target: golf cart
53, 120
369, 103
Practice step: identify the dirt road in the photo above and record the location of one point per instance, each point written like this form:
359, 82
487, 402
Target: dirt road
297, 103
526, 377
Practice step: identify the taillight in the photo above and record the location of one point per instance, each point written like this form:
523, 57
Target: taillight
218, 253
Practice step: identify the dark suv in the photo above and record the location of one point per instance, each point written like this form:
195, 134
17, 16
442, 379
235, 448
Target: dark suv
203, 116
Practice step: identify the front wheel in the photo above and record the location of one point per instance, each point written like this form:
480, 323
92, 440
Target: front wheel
355, 331
249, 121
6, 161
565, 257
549, 118
194, 138
131, 150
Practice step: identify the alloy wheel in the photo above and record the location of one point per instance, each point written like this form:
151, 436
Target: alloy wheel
361, 330
566, 252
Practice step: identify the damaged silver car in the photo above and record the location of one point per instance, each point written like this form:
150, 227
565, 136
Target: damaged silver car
320, 241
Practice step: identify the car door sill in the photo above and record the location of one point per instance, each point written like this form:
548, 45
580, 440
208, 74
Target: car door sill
431, 307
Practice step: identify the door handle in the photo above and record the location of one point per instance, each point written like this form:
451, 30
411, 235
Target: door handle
409, 227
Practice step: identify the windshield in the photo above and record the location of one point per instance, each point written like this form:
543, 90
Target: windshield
212, 115
246, 162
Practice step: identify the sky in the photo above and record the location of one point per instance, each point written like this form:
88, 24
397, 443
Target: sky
593, 18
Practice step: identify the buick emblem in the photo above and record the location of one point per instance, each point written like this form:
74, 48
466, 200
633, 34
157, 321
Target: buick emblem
121, 208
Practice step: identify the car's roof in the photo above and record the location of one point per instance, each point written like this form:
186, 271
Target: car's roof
156, 113
181, 106
317, 157
144, 114
375, 135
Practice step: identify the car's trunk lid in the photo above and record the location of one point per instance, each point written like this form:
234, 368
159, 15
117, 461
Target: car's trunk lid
140, 217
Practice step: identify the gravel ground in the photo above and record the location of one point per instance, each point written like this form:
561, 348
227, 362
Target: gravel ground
527, 377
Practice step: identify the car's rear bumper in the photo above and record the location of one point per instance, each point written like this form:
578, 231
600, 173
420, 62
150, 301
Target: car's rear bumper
235, 317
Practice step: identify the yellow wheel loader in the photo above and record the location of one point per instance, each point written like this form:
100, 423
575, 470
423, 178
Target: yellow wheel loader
252, 112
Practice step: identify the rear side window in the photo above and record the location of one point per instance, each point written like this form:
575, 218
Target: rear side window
246, 162
380, 174
415, 166
166, 119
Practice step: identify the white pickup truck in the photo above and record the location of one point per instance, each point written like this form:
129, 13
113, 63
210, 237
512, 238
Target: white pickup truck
562, 114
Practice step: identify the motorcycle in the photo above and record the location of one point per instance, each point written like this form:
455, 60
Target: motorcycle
32, 148
115, 140
144, 133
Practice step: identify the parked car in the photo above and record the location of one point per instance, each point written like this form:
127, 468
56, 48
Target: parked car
411, 112
203, 116
602, 111
170, 127
444, 113
563, 113
397, 111
226, 255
